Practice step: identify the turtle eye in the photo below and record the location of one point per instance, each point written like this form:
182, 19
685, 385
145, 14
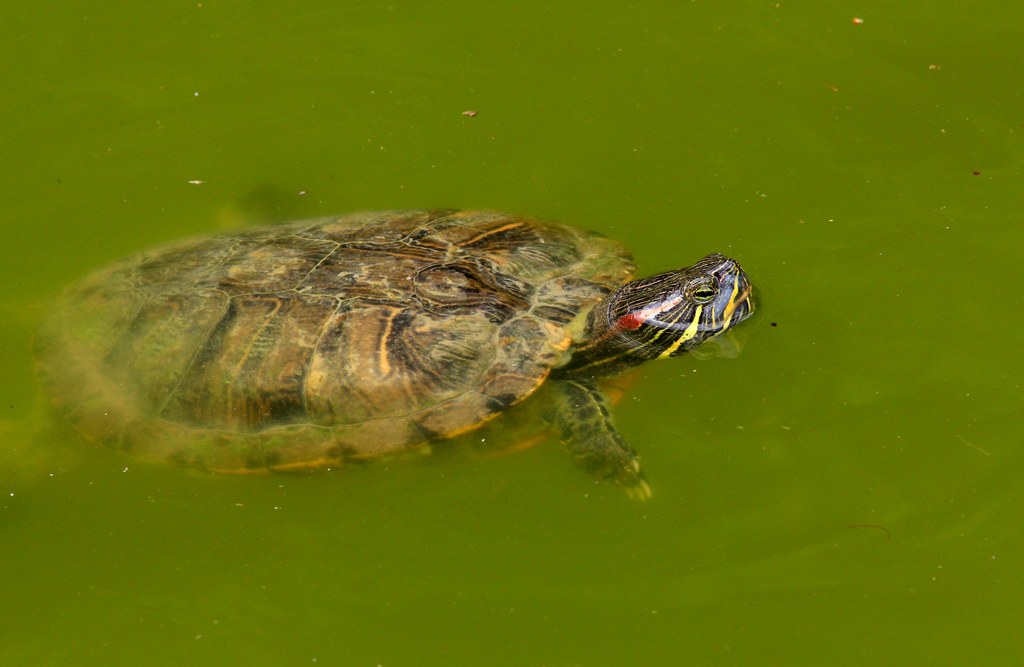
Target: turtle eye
704, 293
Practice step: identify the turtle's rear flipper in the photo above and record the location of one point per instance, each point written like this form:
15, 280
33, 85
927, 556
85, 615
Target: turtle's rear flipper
586, 429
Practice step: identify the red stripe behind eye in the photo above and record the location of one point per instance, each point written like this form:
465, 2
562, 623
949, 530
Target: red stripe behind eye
631, 321
634, 320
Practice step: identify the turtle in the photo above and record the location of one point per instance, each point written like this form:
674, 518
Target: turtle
309, 344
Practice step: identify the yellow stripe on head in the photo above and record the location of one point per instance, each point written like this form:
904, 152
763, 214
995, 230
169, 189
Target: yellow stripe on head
730, 307
689, 333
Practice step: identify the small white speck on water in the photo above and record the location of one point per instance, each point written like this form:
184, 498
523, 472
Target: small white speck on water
973, 446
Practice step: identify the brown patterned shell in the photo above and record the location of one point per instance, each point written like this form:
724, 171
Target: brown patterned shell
305, 344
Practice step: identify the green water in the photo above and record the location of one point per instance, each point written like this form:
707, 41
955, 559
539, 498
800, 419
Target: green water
845, 492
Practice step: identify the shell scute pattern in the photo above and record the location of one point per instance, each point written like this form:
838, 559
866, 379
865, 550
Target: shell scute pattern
308, 343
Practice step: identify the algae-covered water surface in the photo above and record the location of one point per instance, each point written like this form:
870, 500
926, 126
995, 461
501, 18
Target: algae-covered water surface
843, 490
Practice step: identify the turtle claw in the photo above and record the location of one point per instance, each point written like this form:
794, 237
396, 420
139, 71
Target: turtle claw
633, 481
640, 490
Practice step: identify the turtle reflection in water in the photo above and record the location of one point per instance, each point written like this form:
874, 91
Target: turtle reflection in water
308, 344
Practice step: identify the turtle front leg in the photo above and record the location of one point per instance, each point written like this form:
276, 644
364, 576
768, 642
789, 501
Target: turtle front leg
584, 420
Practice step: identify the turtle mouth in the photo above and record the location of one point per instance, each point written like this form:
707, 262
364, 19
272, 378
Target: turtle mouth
740, 307
735, 302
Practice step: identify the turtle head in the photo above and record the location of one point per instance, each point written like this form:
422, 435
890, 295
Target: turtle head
664, 315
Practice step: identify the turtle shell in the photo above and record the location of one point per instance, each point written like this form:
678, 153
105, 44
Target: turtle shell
309, 343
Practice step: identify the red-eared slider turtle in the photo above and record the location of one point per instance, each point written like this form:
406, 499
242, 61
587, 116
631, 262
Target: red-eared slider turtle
307, 344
